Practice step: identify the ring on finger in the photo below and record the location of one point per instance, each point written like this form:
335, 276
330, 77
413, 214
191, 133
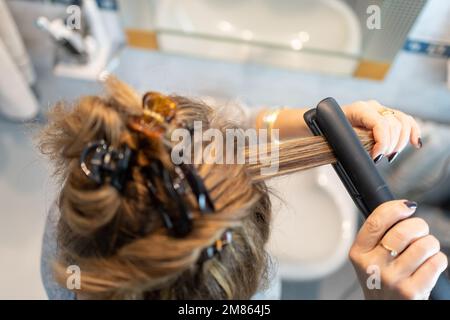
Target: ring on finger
392, 252
386, 111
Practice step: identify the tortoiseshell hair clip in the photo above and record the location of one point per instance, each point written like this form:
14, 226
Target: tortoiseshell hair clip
158, 112
158, 107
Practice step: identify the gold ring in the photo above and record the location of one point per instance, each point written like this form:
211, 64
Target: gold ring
392, 252
386, 112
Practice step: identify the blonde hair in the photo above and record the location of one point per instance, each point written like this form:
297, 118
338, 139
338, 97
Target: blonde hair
118, 239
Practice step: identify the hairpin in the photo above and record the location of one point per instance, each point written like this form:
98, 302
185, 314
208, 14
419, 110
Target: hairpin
217, 247
100, 160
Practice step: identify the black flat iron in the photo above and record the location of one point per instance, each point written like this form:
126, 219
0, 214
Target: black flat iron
355, 168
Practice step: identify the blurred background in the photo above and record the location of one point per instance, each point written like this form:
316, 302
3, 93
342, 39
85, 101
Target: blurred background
254, 52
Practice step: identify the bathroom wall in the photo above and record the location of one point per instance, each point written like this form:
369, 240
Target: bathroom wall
434, 22
432, 38
416, 83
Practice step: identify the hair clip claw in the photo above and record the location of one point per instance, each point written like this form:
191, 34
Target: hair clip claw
100, 161
158, 107
177, 218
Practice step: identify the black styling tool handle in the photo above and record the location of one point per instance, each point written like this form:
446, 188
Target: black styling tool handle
355, 168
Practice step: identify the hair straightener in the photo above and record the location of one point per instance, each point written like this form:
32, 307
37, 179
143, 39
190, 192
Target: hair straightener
355, 168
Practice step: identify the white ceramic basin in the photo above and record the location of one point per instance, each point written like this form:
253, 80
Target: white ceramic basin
314, 223
298, 26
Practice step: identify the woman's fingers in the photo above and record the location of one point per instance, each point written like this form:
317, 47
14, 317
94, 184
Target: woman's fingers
415, 133
381, 135
404, 233
385, 129
381, 220
405, 133
413, 273
423, 280
415, 255
395, 129
363, 114
391, 131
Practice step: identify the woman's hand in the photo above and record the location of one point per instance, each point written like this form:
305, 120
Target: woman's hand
394, 256
392, 129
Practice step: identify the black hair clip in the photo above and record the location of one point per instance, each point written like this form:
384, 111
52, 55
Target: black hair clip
217, 247
106, 161
177, 219
205, 204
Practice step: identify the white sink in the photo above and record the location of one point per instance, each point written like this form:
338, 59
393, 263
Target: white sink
314, 223
283, 33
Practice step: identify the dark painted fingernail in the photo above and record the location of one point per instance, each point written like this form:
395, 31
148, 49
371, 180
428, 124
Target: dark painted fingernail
419, 142
392, 157
378, 158
411, 204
